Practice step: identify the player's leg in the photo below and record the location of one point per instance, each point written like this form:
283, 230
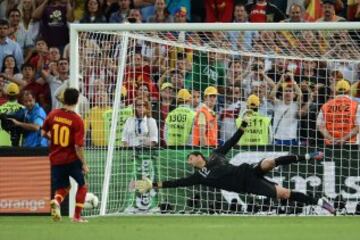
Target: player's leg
77, 174
268, 164
61, 184
284, 193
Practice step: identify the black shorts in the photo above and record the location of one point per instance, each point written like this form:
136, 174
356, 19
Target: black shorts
60, 174
256, 183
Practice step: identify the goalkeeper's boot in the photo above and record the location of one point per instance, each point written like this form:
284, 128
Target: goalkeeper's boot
317, 155
55, 210
79, 220
325, 204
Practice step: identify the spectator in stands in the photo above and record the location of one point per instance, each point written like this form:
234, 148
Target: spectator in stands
28, 30
334, 77
9, 134
162, 107
55, 81
146, 7
95, 121
329, 13
9, 69
263, 11
138, 72
233, 105
286, 111
181, 5
32, 122
296, 13
219, 11
93, 12
109, 7
27, 82
208, 69
8, 46
205, 131
40, 56
54, 16
13, 17
5, 7
290, 3
134, 16
258, 132
173, 76
54, 54
307, 117
122, 13
257, 76
161, 14
181, 15
140, 130
339, 118
266, 107
179, 122
241, 40
235, 73
278, 68
308, 73
125, 112
142, 91
195, 99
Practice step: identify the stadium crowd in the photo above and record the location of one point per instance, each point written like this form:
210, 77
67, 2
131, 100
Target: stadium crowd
184, 96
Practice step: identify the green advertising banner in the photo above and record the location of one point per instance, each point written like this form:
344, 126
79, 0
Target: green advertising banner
338, 174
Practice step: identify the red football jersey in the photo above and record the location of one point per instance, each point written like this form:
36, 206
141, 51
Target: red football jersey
258, 14
67, 130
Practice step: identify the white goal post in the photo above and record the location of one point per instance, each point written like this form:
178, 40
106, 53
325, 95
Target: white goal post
321, 178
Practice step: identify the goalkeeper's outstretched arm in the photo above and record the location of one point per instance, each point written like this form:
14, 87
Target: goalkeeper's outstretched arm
146, 184
233, 140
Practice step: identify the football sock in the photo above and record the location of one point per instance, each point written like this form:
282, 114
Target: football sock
303, 198
60, 194
80, 199
286, 160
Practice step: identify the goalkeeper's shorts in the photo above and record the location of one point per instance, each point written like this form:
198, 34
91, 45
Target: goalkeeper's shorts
257, 184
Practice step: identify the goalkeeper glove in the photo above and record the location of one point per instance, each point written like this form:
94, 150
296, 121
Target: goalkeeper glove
144, 185
246, 118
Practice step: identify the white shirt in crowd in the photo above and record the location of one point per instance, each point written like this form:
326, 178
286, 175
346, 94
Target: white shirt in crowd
285, 120
140, 131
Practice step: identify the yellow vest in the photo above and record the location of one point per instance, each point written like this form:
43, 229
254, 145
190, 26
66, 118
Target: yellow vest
257, 132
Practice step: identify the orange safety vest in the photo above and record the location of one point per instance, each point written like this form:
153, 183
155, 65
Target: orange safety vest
339, 117
211, 128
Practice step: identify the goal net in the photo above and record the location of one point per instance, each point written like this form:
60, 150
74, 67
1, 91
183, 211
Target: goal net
139, 124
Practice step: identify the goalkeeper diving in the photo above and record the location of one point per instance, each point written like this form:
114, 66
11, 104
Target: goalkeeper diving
215, 171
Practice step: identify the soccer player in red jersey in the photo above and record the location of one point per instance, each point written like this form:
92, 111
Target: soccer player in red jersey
65, 129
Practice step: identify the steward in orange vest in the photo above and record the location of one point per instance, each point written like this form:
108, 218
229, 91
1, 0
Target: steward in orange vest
205, 125
337, 120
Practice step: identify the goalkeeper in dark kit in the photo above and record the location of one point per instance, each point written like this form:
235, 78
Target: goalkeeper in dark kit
215, 171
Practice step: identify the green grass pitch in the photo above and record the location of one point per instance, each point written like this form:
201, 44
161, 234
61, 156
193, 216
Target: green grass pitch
183, 227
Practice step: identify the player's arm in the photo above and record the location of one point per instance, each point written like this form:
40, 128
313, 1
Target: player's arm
234, 139
80, 154
202, 129
145, 185
79, 144
27, 126
320, 122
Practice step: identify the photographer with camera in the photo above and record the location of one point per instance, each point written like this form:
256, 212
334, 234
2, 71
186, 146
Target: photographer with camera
257, 76
9, 133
